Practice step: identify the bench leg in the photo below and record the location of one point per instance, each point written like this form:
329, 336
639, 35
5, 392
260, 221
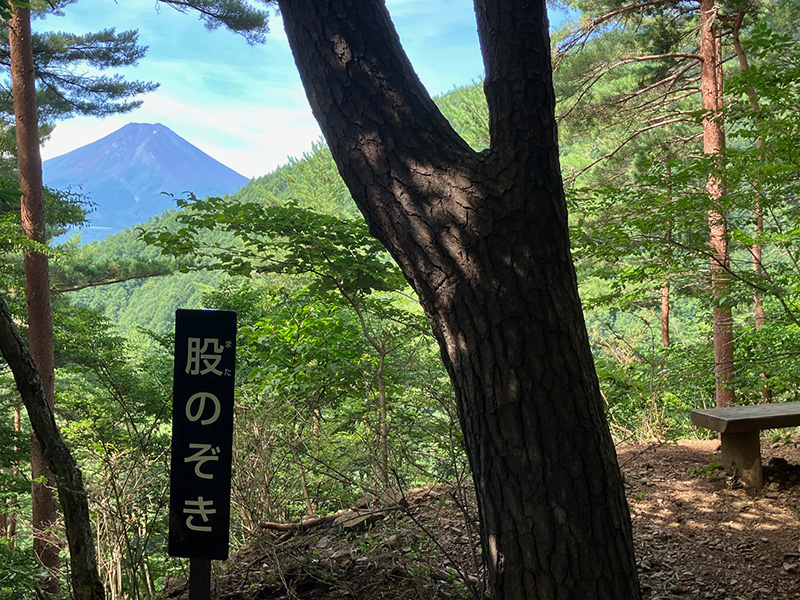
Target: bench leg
742, 451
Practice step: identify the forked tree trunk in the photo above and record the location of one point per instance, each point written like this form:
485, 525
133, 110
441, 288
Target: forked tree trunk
759, 316
379, 345
713, 144
37, 280
482, 237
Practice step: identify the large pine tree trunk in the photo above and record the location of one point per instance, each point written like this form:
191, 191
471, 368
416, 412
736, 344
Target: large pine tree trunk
482, 237
713, 144
37, 280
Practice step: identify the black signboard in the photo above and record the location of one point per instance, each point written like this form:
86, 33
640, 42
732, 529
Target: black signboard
202, 433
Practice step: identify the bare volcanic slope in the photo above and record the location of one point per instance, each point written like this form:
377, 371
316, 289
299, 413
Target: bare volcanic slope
125, 173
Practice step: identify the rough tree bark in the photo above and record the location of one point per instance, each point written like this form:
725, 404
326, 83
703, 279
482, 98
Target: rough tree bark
713, 144
482, 237
37, 280
83, 560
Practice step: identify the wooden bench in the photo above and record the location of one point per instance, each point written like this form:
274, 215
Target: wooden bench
739, 428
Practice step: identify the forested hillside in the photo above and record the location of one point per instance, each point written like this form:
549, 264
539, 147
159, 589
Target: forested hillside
686, 258
310, 180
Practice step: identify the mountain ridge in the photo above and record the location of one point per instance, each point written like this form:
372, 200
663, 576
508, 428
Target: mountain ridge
131, 174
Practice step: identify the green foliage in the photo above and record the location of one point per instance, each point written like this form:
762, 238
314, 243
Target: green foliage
281, 239
14, 452
113, 393
334, 358
114, 406
84, 266
307, 435
238, 16
630, 121
20, 574
65, 89
129, 282
712, 470
7, 10
468, 113
313, 182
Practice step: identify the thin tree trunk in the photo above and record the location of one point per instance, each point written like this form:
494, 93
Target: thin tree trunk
483, 239
12, 517
383, 409
301, 470
106, 549
148, 578
384, 420
37, 280
759, 316
665, 288
665, 314
713, 144
8, 519
86, 584
117, 561
5, 514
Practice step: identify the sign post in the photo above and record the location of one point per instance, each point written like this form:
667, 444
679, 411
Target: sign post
202, 441
199, 579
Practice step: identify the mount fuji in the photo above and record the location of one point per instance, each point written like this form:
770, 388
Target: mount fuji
127, 173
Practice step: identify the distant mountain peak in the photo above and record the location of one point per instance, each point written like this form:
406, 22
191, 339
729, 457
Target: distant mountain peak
153, 128
127, 172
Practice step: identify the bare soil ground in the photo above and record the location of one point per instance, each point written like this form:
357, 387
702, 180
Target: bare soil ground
698, 534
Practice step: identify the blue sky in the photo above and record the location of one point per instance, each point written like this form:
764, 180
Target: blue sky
244, 105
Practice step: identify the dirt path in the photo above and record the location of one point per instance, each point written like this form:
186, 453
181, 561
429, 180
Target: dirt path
698, 535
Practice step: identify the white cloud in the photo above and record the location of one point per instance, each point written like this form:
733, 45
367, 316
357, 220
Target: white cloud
244, 105
252, 140
78, 132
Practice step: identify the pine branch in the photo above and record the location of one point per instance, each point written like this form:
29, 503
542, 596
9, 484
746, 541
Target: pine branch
581, 35
630, 60
626, 141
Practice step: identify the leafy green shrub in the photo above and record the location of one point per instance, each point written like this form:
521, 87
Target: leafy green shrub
19, 574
